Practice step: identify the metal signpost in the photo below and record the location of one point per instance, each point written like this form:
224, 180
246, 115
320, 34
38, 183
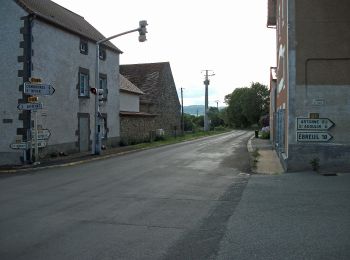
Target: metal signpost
30, 106
36, 138
305, 136
38, 89
313, 129
43, 134
314, 124
22, 145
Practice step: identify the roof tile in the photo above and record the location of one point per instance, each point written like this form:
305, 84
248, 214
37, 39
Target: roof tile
64, 18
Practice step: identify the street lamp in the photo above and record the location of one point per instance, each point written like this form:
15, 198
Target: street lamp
97, 134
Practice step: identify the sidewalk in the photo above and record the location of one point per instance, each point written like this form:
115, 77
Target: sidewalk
298, 215
264, 159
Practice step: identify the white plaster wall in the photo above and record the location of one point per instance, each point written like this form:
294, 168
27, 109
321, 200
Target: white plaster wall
10, 24
336, 107
57, 60
129, 102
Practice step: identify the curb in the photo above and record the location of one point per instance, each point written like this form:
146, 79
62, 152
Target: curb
27, 169
91, 159
249, 145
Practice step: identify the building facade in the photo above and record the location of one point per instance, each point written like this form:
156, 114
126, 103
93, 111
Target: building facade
160, 97
48, 42
135, 126
312, 89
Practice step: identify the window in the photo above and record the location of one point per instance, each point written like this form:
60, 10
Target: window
103, 85
83, 82
102, 53
83, 47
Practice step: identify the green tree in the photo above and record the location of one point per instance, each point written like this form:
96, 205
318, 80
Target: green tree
215, 118
247, 105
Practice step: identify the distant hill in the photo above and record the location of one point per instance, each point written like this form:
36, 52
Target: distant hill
196, 110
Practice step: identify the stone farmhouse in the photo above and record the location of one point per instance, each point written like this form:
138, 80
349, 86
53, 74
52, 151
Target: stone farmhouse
135, 126
160, 97
310, 87
41, 39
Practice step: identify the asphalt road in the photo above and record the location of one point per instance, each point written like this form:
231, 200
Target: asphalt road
172, 202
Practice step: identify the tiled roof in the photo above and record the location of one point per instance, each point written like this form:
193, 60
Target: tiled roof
136, 114
63, 18
127, 86
146, 77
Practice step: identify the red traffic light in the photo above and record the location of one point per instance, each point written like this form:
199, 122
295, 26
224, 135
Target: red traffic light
93, 91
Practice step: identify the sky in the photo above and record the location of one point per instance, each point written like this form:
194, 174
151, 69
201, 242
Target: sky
229, 37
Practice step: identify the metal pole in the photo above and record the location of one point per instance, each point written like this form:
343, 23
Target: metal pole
96, 141
36, 158
97, 134
182, 113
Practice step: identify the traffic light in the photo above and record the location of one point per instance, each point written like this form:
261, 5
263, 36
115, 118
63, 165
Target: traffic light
93, 91
143, 31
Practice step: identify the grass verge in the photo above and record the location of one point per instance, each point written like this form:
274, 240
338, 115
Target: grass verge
173, 140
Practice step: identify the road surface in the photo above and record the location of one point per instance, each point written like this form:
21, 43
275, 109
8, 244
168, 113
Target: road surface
171, 202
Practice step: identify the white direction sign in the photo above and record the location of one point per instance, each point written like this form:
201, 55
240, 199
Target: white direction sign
19, 146
25, 145
38, 89
314, 124
306, 136
43, 134
30, 106
41, 144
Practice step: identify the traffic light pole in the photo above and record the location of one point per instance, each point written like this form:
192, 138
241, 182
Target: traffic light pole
97, 134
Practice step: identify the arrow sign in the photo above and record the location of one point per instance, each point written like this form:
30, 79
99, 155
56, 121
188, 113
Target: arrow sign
306, 136
38, 89
19, 146
314, 124
30, 106
43, 134
41, 143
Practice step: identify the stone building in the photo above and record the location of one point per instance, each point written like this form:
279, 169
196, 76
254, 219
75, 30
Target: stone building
160, 96
135, 126
311, 93
41, 39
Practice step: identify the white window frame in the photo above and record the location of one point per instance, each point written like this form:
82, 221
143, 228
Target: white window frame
83, 84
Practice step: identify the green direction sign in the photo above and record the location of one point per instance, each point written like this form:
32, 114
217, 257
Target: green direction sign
306, 136
318, 124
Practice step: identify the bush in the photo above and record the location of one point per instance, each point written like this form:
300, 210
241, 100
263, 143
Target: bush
265, 132
219, 128
265, 135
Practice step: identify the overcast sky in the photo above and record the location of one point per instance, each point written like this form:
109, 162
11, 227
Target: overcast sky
227, 36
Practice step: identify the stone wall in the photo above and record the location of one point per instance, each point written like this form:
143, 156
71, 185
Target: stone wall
136, 129
168, 106
12, 66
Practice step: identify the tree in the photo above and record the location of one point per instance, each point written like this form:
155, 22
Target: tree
215, 118
247, 105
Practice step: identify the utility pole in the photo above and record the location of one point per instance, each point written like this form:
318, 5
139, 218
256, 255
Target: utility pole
206, 83
182, 113
217, 104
